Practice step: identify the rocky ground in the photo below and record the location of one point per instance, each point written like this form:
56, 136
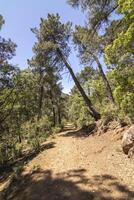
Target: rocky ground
77, 167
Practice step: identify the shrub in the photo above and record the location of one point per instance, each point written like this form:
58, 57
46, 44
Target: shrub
127, 104
17, 150
56, 129
36, 131
109, 111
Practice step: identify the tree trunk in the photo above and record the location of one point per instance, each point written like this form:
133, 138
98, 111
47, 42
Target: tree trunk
53, 109
40, 102
92, 110
54, 116
19, 137
59, 115
106, 83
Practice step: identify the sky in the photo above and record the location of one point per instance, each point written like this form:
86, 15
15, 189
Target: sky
22, 15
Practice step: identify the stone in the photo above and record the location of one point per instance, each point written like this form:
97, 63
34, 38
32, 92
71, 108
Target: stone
131, 153
128, 140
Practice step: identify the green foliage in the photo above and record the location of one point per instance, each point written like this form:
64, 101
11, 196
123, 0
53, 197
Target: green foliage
109, 111
36, 131
17, 150
119, 54
32, 104
56, 129
125, 6
31, 101
78, 112
127, 106
18, 169
52, 35
121, 81
123, 43
98, 12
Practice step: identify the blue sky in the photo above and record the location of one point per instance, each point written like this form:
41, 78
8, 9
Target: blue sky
21, 15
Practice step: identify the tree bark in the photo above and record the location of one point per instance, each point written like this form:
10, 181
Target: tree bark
40, 102
54, 116
53, 109
106, 83
41, 94
59, 115
96, 115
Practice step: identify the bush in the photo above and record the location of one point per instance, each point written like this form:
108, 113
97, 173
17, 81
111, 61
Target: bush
34, 143
56, 129
2, 154
17, 150
18, 169
127, 106
109, 111
36, 131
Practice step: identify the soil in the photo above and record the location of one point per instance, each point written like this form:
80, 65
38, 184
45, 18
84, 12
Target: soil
77, 167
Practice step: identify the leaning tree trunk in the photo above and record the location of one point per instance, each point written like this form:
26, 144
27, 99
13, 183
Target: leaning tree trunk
107, 85
92, 110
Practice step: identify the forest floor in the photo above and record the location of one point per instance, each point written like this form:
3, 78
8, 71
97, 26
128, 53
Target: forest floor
77, 167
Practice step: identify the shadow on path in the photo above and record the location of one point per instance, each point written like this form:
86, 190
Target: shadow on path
42, 185
83, 132
7, 169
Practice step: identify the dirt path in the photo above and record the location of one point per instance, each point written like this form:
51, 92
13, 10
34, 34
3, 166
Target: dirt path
78, 168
